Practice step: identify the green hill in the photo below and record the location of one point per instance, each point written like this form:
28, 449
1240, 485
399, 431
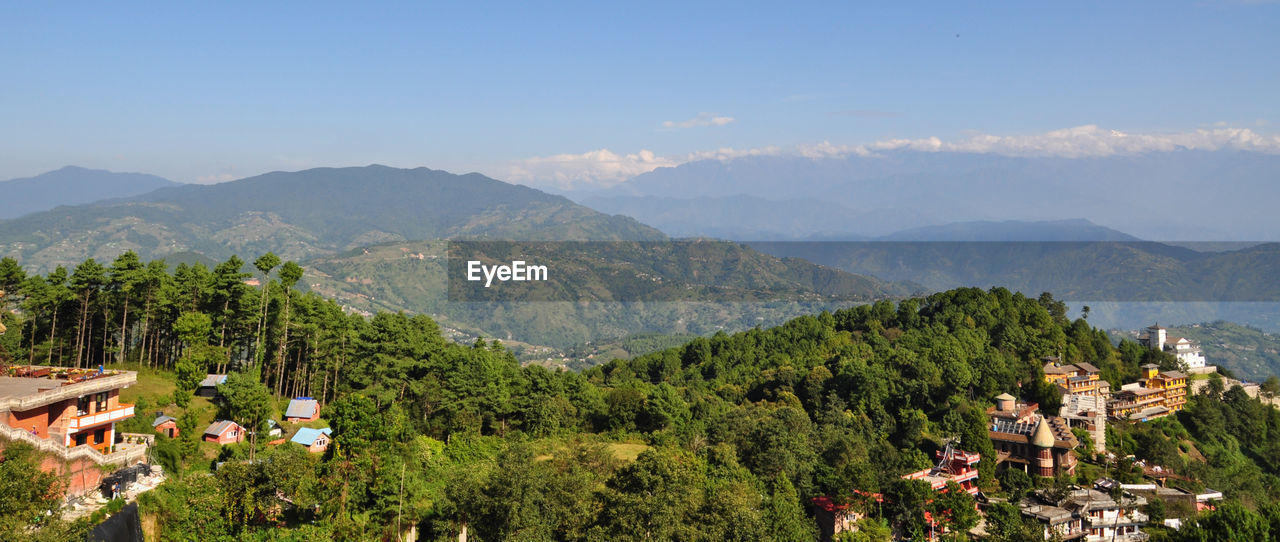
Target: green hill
304, 214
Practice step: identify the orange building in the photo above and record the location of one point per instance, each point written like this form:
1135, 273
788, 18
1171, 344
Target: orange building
1156, 395
1074, 379
69, 413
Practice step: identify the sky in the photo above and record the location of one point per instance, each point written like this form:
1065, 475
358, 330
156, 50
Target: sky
582, 94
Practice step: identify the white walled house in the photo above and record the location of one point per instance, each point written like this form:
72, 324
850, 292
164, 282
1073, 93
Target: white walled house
1187, 352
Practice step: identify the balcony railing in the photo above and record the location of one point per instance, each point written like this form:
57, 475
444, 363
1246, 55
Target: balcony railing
116, 414
132, 454
69, 391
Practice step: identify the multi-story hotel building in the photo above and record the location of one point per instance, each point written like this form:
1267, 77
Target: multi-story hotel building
1155, 395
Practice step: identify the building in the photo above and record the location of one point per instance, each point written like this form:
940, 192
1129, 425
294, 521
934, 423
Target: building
834, 517
209, 386
1074, 379
302, 409
1087, 514
315, 440
273, 429
1187, 352
1025, 439
1172, 383
224, 432
1176, 499
71, 415
166, 425
1088, 412
953, 466
1155, 395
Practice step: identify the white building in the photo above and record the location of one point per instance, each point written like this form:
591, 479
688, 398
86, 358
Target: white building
1187, 352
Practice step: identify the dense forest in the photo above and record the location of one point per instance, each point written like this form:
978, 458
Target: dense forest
725, 437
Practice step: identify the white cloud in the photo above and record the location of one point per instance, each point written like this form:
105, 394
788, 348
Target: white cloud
1089, 140
604, 168
702, 119
601, 168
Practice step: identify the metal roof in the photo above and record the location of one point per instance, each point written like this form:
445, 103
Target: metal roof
307, 436
303, 407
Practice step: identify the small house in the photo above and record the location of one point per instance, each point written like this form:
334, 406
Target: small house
166, 425
315, 440
209, 386
224, 432
302, 409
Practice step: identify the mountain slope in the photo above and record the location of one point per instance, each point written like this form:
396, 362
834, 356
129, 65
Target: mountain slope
721, 286
1102, 271
71, 186
1250, 353
304, 214
737, 217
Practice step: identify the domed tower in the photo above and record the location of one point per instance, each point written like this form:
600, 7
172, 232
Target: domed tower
1042, 443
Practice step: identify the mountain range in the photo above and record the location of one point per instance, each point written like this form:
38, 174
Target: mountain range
1166, 196
372, 238
305, 214
356, 228
72, 186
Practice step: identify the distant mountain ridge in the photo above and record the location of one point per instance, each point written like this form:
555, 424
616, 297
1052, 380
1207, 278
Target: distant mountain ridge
1012, 230
1099, 271
72, 185
1177, 195
304, 214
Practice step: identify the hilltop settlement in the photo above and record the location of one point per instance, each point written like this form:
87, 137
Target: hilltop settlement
194, 404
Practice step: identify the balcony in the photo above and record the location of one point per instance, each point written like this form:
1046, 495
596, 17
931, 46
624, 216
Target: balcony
121, 412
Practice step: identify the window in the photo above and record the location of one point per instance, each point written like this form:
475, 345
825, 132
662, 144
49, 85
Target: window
81, 439
101, 400
99, 436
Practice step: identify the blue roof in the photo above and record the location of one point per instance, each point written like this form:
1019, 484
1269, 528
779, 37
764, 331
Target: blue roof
307, 436
302, 407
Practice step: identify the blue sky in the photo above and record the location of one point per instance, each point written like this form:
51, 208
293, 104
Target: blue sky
220, 91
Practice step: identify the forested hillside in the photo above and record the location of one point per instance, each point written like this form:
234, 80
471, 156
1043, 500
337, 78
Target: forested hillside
676, 287
722, 438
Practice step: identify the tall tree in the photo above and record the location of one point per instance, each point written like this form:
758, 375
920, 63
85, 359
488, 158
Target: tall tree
290, 273
787, 520
228, 292
264, 264
127, 274
247, 401
87, 280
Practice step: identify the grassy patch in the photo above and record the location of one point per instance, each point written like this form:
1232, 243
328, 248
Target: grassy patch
626, 451
151, 384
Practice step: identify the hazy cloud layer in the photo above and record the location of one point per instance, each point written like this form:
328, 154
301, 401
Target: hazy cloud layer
702, 119
603, 168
